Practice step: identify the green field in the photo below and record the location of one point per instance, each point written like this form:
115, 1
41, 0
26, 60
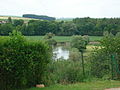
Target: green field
97, 85
61, 38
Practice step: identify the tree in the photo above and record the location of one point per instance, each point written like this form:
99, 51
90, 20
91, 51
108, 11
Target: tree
68, 28
79, 43
18, 22
49, 39
9, 20
111, 44
5, 29
106, 59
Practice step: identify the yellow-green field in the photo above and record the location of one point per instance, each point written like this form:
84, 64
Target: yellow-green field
15, 17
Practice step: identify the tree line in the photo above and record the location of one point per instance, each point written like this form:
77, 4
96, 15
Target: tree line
43, 17
78, 26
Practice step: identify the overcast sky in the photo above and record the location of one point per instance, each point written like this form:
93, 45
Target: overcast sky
61, 8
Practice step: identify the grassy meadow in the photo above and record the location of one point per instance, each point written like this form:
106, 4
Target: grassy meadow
61, 38
97, 85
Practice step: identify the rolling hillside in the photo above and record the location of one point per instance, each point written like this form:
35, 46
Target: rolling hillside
16, 17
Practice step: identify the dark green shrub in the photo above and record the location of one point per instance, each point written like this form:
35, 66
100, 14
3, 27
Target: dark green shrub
100, 64
6, 28
106, 61
18, 22
22, 63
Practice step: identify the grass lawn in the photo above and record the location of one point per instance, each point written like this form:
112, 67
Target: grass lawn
98, 85
95, 38
61, 38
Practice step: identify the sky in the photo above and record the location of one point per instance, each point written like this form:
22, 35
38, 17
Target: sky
62, 8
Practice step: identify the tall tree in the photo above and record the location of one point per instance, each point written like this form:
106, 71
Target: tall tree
9, 20
79, 43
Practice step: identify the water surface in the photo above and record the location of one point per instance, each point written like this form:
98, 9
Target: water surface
60, 52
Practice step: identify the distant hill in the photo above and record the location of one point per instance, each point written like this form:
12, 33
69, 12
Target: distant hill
43, 17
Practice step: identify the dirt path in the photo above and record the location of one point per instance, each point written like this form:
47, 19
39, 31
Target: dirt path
113, 88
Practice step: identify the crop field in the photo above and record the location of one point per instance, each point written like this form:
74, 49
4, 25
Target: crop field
15, 17
97, 85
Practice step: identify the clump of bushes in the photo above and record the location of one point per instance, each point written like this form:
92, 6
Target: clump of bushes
105, 61
75, 55
49, 39
22, 63
63, 72
100, 64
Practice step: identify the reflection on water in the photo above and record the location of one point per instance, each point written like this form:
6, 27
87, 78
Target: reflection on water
60, 52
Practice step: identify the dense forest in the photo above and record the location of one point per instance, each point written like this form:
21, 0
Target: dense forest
78, 26
43, 17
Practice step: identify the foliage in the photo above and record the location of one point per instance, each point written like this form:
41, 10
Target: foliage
79, 26
78, 42
106, 59
93, 26
63, 72
22, 63
5, 29
49, 39
86, 38
68, 28
9, 20
49, 35
75, 55
18, 22
100, 64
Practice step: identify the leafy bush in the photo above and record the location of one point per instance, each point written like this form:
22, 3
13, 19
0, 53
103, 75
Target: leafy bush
106, 59
63, 72
100, 64
49, 39
75, 55
22, 63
